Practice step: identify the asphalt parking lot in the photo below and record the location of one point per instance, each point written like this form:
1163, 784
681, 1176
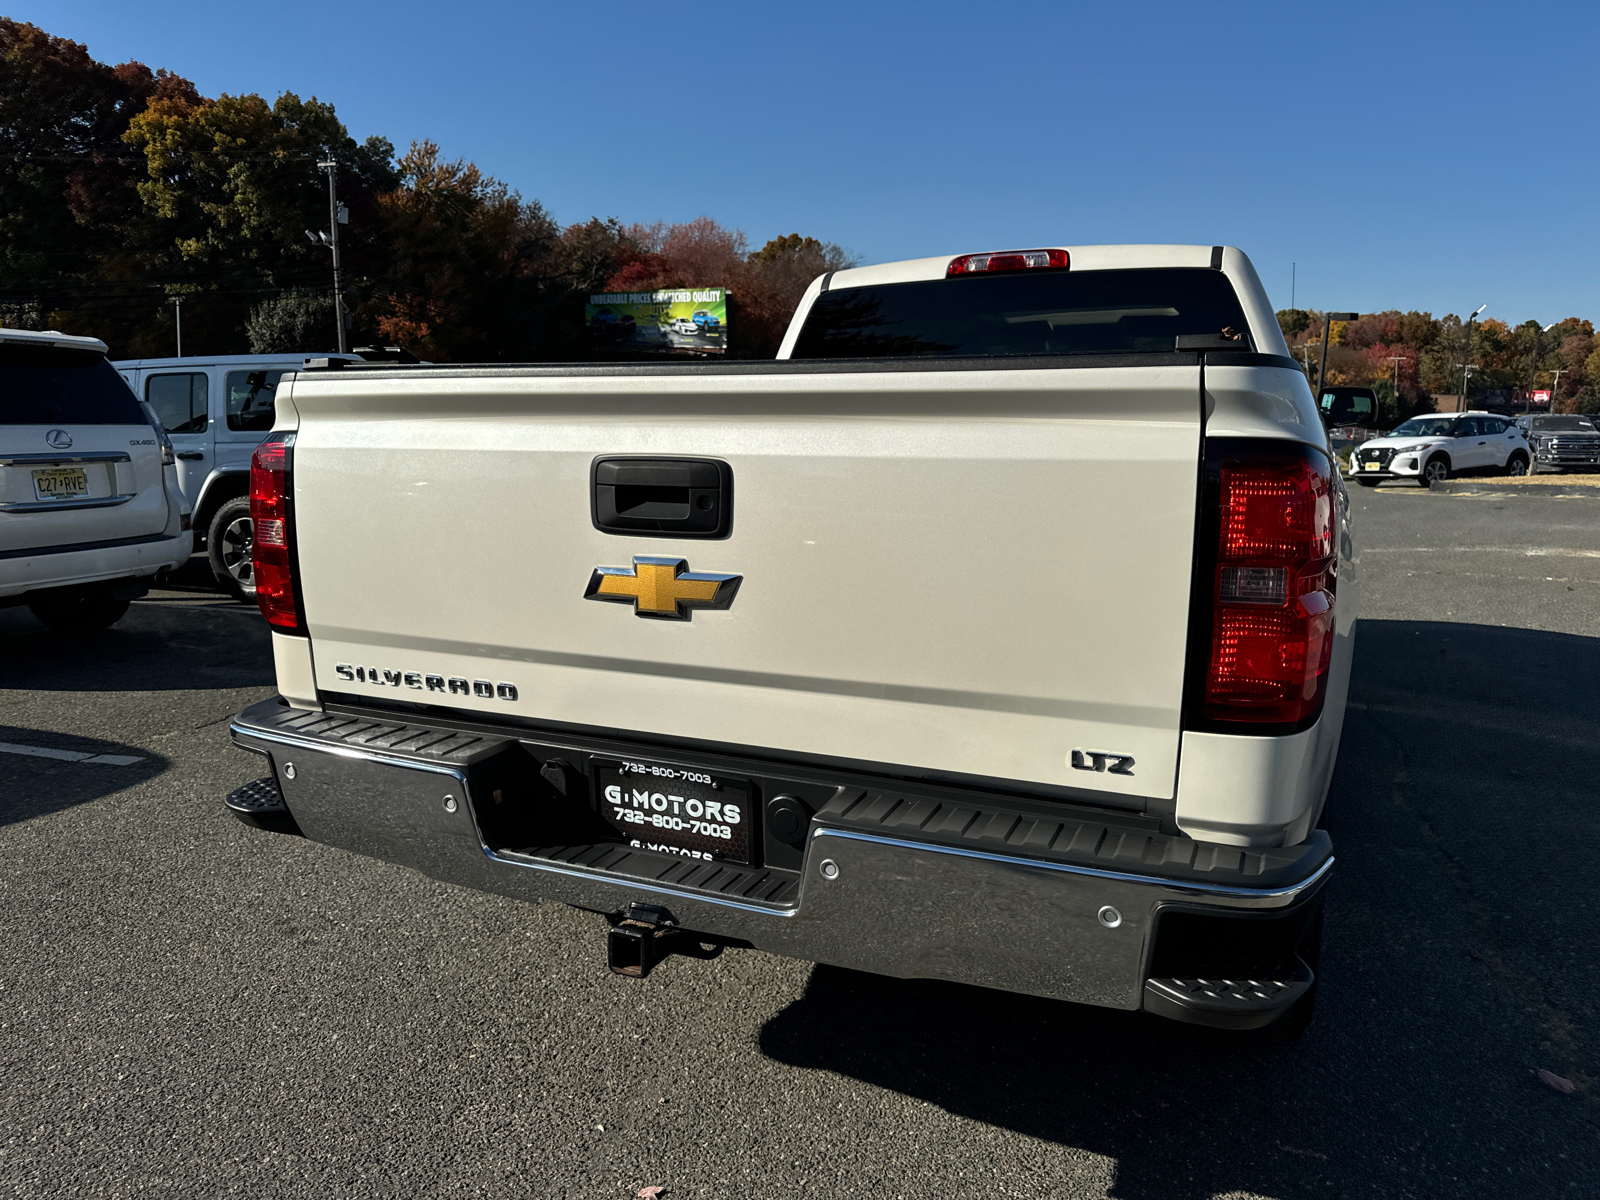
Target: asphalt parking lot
194, 1008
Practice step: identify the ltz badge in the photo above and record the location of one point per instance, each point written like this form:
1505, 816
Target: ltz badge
663, 588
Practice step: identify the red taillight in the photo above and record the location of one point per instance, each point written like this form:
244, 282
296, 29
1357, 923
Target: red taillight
272, 553
1272, 598
1007, 260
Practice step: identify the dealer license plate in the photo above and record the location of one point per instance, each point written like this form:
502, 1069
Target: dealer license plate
679, 810
60, 483
1369, 466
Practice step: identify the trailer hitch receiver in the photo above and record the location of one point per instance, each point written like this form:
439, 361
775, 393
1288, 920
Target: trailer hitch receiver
645, 935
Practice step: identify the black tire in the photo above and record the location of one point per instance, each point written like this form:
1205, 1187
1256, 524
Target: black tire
228, 544
1368, 482
75, 612
1517, 464
1435, 470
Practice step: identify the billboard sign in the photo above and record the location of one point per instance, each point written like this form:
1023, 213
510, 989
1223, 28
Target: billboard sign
1539, 399
674, 319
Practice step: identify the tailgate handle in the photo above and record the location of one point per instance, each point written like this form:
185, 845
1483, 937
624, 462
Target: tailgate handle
661, 497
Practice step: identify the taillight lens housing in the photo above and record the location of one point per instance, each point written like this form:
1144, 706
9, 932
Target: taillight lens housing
1272, 583
1008, 260
271, 513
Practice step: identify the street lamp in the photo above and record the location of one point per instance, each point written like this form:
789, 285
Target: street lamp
1533, 370
338, 215
1461, 404
1327, 321
177, 312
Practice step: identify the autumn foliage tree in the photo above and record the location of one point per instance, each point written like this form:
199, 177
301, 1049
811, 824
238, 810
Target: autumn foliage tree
766, 284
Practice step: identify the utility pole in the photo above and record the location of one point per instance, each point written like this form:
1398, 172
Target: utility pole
1397, 359
333, 241
1327, 323
1556, 383
1533, 369
177, 312
1461, 404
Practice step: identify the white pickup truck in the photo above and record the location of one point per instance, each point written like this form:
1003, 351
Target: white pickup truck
989, 634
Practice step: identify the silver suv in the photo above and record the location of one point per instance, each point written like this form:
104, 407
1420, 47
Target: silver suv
90, 508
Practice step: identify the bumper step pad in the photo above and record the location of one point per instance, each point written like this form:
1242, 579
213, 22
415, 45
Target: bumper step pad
260, 805
1075, 836
754, 885
1229, 1003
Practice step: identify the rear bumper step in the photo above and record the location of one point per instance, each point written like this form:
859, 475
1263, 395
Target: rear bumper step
1002, 892
1229, 1003
260, 805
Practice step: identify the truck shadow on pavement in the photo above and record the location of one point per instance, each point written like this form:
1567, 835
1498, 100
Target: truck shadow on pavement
42, 772
1459, 958
159, 646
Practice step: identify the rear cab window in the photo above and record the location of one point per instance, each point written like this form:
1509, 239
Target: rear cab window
179, 400
46, 385
1024, 314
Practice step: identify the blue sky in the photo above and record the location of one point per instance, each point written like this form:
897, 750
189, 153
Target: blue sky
1404, 155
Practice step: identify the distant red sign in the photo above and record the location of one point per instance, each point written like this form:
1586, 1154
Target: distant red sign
1539, 399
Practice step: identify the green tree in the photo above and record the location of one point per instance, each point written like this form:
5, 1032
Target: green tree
73, 242
1293, 322
232, 185
298, 320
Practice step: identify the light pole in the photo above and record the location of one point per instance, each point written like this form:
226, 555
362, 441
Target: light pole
177, 312
1327, 322
337, 216
1461, 404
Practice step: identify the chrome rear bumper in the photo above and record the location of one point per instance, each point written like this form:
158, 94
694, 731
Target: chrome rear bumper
866, 896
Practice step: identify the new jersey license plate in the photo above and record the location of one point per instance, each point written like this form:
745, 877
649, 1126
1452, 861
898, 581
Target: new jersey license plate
675, 809
60, 483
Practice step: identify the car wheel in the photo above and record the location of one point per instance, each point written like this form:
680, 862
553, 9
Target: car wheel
74, 612
229, 542
1437, 470
1517, 465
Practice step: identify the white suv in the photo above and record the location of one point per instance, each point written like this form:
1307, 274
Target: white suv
90, 508
1434, 447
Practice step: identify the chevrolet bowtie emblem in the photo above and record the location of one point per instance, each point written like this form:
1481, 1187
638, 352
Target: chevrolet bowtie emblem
664, 588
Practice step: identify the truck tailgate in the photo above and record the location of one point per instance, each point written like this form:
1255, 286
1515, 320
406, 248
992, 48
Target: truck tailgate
958, 571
